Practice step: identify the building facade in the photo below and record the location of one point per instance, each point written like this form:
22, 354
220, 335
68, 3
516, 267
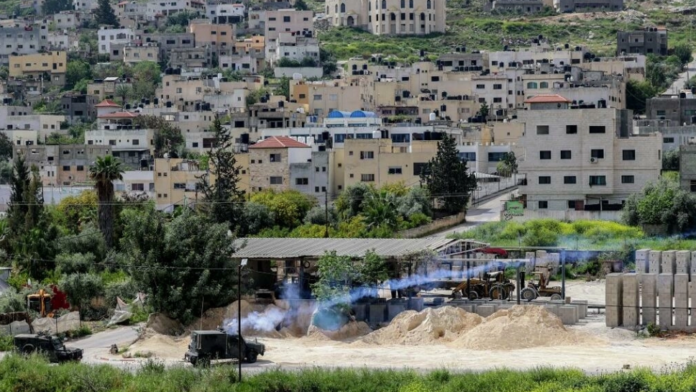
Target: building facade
389, 17
651, 40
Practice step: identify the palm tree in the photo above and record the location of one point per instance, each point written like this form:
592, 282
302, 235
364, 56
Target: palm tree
104, 172
123, 92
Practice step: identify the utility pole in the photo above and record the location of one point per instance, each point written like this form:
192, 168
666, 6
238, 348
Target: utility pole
326, 213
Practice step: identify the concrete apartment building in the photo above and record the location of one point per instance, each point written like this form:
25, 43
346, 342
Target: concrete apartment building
50, 66
213, 35
271, 162
107, 88
674, 135
389, 17
67, 19
62, 165
323, 97
583, 159
294, 48
651, 40
163, 8
175, 182
687, 167
112, 37
516, 6
221, 13
136, 53
20, 41
679, 109
300, 23
168, 42
79, 107
188, 58
85, 5
587, 5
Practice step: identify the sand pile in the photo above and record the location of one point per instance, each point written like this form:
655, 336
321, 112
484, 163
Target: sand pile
349, 331
214, 317
162, 324
517, 328
161, 346
432, 325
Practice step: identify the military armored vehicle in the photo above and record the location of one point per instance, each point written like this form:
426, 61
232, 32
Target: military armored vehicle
217, 345
49, 345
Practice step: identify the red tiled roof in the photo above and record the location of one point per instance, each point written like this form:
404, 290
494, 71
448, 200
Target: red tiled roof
547, 98
279, 142
107, 104
119, 115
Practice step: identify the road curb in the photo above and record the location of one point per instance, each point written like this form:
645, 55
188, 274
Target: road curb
116, 360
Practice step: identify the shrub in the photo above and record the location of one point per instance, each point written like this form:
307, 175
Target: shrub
6, 343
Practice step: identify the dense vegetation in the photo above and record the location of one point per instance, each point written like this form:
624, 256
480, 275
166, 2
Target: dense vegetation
19, 375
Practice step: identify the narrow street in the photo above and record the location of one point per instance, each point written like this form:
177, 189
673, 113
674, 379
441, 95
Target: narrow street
678, 84
486, 212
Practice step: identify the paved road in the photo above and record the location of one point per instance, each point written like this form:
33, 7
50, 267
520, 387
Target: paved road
678, 84
487, 212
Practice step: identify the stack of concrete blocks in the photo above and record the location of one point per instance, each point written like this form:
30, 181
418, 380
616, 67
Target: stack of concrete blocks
654, 262
614, 300
569, 314
665, 291
631, 309
669, 262
486, 310
642, 257
582, 308
416, 303
648, 296
681, 290
531, 256
360, 311
394, 307
377, 313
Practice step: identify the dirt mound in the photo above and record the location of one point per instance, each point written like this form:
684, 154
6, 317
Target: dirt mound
517, 328
215, 317
436, 325
349, 331
160, 346
162, 324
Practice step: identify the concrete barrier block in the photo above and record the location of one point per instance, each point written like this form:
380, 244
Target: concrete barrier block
665, 291
648, 297
485, 310
360, 311
378, 313
681, 301
668, 263
394, 308
582, 308
614, 300
470, 308
568, 314
642, 257
683, 262
692, 266
416, 304
630, 317
655, 262
692, 301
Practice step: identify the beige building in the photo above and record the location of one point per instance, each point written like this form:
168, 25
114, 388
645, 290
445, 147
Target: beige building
133, 54
389, 17
175, 182
323, 97
50, 66
271, 162
219, 36
107, 88
63, 165
583, 159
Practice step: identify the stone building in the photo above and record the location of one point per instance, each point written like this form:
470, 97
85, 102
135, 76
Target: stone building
651, 40
389, 17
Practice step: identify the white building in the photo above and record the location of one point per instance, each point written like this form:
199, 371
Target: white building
109, 37
294, 48
583, 159
225, 13
85, 5
159, 8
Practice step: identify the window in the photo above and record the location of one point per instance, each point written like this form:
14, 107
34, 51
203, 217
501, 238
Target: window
542, 130
543, 204
66, 168
136, 142
180, 185
317, 97
496, 156
661, 112
497, 87
628, 179
629, 155
597, 129
286, 19
693, 186
419, 168
481, 86
80, 168
274, 157
544, 154
544, 180
532, 85
598, 180
667, 140
570, 180
367, 177
302, 181
367, 155
597, 154
566, 154
276, 180
395, 170
571, 129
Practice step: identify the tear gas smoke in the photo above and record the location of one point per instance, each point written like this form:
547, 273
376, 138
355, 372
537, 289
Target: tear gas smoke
257, 321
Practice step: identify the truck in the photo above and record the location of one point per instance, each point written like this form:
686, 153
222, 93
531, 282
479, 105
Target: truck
52, 346
217, 345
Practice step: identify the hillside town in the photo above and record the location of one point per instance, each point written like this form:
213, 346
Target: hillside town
298, 184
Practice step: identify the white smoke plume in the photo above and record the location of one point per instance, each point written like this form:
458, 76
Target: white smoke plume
256, 321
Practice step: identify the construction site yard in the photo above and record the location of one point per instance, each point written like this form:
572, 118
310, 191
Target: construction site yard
450, 338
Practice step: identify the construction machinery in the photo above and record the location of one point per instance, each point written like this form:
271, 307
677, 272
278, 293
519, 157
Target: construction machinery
541, 288
41, 303
492, 285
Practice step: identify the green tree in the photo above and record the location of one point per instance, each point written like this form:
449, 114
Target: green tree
222, 198
662, 203
350, 201
484, 110
80, 288
167, 139
256, 218
416, 201
447, 177
372, 270
637, 95
5, 147
683, 51
670, 160
301, 5
146, 76
181, 265
283, 87
123, 92
381, 209
74, 263
104, 172
104, 14
336, 274
288, 207
51, 7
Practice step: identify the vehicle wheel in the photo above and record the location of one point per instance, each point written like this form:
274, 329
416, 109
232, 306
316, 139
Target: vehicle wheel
528, 294
28, 349
473, 295
556, 297
252, 356
498, 292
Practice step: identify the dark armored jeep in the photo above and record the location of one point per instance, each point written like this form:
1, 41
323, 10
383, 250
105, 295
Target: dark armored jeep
207, 346
52, 346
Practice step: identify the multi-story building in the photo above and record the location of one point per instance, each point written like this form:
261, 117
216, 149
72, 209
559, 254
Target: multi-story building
62, 165
687, 167
323, 97
674, 135
23, 118
272, 160
587, 5
295, 48
107, 88
222, 13
50, 67
163, 8
136, 183
168, 42
85, 5
136, 53
189, 58
680, 109
651, 40
67, 19
79, 107
175, 182
389, 17
20, 41
515, 6
583, 159
299, 23
112, 37
213, 35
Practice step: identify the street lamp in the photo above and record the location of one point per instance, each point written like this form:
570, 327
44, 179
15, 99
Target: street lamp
242, 264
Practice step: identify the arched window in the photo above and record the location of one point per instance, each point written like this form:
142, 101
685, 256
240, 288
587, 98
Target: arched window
376, 4
544, 85
532, 85
355, 67
410, 3
403, 3
422, 16
430, 4
384, 3
369, 6
343, 7
336, 8
392, 16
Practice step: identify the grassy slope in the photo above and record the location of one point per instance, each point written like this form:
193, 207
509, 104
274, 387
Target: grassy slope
468, 25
